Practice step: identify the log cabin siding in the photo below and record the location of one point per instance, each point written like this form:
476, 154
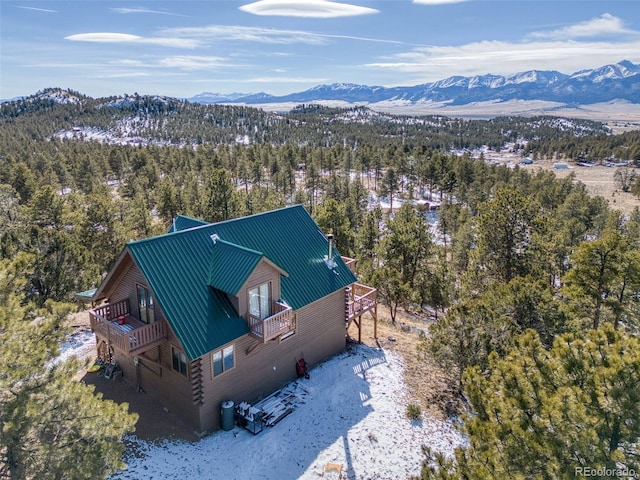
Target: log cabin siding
127, 288
169, 388
155, 374
260, 369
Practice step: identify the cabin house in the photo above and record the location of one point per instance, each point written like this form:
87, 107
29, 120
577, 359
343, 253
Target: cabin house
213, 312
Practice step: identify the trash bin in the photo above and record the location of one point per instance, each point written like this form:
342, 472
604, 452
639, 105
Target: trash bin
226, 415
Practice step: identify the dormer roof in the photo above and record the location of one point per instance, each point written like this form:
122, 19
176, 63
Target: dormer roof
232, 264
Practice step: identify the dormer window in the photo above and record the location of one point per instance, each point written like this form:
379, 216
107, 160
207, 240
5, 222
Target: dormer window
260, 301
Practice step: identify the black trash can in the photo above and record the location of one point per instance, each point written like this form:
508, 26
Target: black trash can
226, 415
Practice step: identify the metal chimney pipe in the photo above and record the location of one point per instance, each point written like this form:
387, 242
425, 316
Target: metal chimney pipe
330, 238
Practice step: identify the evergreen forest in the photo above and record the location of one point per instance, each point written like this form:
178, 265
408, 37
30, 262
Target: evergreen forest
531, 285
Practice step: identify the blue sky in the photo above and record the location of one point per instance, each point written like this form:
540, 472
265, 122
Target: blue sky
181, 48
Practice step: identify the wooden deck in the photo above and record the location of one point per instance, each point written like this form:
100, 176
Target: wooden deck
360, 300
131, 337
350, 262
280, 322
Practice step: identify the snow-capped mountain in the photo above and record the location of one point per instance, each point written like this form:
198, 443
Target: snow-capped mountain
58, 95
610, 82
620, 70
211, 97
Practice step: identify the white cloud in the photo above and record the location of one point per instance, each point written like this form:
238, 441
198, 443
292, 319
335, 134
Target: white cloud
266, 35
604, 25
247, 34
45, 10
122, 75
192, 62
366, 39
104, 37
180, 62
306, 8
109, 37
285, 80
504, 58
126, 11
567, 49
125, 62
174, 42
61, 65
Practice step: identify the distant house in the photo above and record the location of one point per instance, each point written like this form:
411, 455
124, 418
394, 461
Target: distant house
213, 312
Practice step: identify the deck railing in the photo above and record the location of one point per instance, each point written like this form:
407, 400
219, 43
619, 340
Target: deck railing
360, 299
112, 311
131, 337
350, 262
280, 322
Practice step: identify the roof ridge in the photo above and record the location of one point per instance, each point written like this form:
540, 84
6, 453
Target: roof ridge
204, 222
238, 246
254, 215
207, 225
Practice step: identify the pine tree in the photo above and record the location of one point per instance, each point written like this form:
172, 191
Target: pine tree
51, 426
505, 231
405, 252
220, 200
389, 186
595, 266
547, 414
332, 218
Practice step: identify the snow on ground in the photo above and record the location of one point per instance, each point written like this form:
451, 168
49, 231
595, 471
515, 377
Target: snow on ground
353, 414
81, 344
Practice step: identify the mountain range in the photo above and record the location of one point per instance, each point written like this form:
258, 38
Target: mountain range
620, 81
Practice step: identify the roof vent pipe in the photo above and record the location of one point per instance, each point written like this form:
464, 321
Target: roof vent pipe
328, 259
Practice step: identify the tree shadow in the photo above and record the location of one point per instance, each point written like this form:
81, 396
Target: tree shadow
154, 423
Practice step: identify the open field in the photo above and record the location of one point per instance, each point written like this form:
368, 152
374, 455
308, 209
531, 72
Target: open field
599, 180
622, 113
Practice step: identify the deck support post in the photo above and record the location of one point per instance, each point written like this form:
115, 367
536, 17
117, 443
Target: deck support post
375, 321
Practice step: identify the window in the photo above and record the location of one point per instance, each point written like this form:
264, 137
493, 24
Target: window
222, 360
260, 301
145, 305
179, 361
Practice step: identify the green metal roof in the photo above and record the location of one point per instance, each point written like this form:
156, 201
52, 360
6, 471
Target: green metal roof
87, 295
179, 265
182, 222
231, 265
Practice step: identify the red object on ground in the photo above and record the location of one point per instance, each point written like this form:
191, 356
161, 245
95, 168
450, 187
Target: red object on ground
302, 369
121, 320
